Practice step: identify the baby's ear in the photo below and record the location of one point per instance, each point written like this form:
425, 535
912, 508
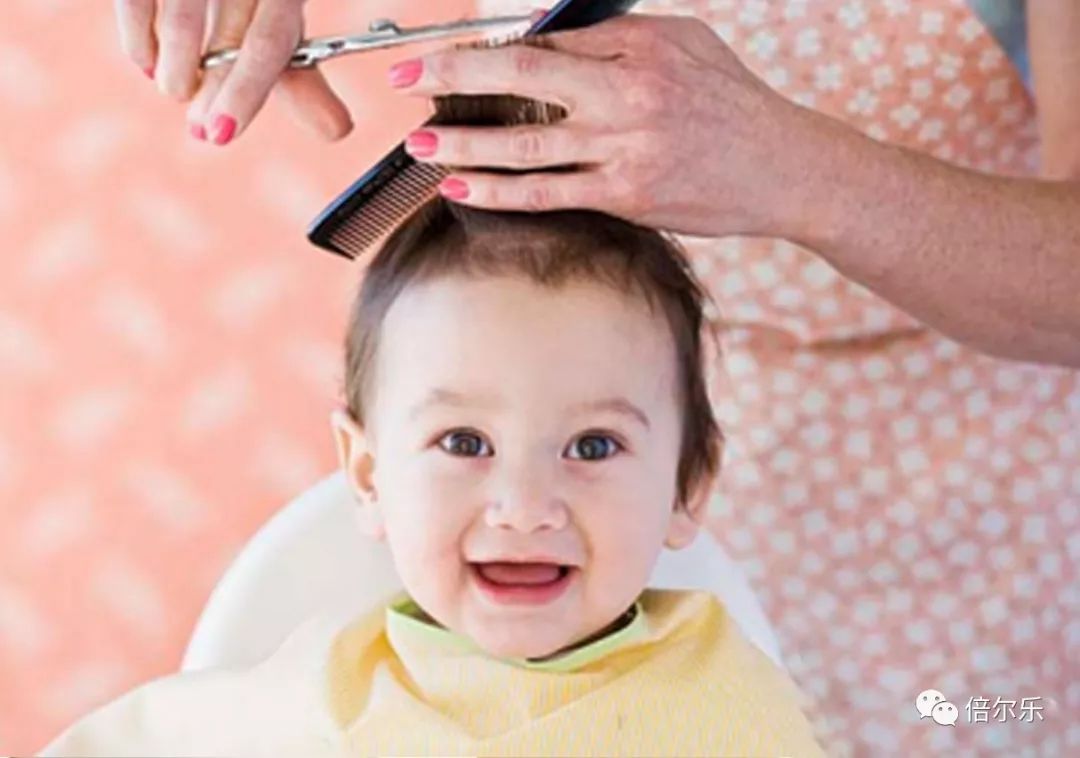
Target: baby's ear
358, 462
687, 517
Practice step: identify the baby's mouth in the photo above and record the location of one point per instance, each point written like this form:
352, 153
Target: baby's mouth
506, 573
522, 583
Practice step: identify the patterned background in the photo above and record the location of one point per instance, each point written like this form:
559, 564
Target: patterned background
168, 345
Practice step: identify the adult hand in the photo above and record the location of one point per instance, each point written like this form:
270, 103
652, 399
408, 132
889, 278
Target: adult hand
666, 126
165, 39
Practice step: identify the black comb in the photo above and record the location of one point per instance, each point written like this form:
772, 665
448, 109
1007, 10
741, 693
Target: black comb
398, 184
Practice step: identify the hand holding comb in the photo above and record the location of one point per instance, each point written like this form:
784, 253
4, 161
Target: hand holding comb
395, 186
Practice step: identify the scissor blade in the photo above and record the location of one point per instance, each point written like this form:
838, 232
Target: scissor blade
384, 34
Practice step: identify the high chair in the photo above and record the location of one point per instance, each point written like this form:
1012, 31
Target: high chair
311, 556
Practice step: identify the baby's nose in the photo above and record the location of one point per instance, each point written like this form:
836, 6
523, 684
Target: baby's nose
526, 498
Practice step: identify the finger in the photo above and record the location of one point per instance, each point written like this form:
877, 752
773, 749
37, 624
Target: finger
527, 192
181, 24
228, 24
313, 102
199, 106
531, 146
135, 19
306, 92
611, 38
553, 76
268, 45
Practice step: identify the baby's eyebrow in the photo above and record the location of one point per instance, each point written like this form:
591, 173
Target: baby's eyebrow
443, 396
615, 405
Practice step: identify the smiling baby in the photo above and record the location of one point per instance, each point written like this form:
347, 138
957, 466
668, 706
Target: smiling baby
526, 425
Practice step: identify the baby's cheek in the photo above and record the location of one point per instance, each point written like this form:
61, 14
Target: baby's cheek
614, 578
432, 507
433, 480
604, 490
626, 529
429, 560
439, 470
616, 488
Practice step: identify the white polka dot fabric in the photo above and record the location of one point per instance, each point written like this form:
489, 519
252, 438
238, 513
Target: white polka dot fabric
908, 510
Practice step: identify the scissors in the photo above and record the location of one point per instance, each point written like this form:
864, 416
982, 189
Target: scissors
383, 32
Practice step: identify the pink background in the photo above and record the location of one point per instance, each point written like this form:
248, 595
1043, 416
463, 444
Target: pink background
169, 344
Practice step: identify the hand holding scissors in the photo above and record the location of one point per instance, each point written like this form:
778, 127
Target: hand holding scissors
254, 45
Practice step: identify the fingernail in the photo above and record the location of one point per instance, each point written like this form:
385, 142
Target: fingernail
197, 131
455, 189
222, 129
406, 73
422, 144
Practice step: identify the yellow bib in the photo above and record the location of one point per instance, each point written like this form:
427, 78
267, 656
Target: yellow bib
678, 679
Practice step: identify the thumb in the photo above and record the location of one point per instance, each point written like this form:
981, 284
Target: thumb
313, 102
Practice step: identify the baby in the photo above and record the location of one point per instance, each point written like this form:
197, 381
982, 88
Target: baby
527, 426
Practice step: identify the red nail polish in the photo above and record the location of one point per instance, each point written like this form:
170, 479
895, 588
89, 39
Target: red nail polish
422, 144
197, 131
406, 73
455, 189
222, 128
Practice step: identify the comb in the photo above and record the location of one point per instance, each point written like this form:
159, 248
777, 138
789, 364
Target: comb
398, 184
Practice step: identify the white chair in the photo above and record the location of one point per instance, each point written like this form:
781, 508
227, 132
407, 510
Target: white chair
311, 556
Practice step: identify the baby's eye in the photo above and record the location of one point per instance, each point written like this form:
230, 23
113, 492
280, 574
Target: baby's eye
593, 447
464, 443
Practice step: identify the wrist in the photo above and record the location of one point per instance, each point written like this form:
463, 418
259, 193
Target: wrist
818, 204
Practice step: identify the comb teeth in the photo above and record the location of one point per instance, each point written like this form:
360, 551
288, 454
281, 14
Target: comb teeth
387, 207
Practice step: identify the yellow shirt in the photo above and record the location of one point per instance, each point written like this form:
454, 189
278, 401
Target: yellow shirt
678, 679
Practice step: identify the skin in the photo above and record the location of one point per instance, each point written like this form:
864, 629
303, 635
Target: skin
164, 39
498, 469
901, 224
1053, 35
672, 131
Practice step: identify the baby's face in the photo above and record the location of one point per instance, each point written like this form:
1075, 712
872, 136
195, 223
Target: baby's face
512, 423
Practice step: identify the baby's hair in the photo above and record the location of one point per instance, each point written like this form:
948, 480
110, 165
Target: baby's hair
553, 248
